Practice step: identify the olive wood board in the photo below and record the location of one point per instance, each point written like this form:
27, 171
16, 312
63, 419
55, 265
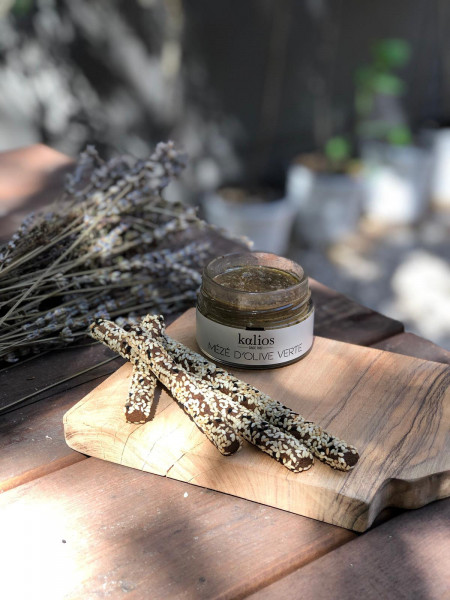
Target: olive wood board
393, 408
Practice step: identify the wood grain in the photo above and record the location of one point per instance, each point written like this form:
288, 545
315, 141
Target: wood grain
53, 372
394, 408
341, 318
31, 177
133, 533
42, 470
413, 345
405, 559
32, 440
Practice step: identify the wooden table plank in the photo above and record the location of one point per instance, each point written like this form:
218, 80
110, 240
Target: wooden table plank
405, 559
340, 318
413, 345
30, 178
99, 529
32, 438
23, 381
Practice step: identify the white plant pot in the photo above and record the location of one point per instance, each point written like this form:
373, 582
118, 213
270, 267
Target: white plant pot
299, 184
328, 207
267, 224
396, 181
440, 179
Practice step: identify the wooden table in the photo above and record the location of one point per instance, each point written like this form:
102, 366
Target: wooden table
77, 527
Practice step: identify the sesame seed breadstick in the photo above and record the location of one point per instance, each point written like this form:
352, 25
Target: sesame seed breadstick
219, 433
329, 449
199, 399
186, 387
141, 393
140, 397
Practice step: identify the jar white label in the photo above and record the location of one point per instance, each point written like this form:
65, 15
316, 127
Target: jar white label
254, 347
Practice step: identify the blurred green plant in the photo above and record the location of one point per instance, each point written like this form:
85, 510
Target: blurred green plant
338, 151
22, 7
18, 8
339, 156
378, 79
379, 115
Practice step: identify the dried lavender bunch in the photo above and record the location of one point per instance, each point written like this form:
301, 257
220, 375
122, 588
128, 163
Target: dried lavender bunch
112, 247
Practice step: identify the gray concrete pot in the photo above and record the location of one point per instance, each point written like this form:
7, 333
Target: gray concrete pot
328, 206
396, 181
267, 223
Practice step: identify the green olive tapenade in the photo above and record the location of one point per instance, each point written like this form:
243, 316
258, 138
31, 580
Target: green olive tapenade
254, 310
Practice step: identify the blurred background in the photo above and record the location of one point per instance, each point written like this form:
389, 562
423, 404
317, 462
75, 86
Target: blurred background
320, 129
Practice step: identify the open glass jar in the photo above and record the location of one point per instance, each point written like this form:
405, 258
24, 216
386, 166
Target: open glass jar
254, 310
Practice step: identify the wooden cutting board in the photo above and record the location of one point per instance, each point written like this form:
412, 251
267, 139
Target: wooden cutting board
393, 408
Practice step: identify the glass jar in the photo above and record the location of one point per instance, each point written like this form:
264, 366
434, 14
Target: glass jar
254, 310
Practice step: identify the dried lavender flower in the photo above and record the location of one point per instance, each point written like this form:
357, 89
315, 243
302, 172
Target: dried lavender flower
111, 247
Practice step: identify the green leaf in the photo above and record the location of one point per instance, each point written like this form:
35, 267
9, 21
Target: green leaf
364, 76
22, 7
363, 103
399, 136
386, 83
337, 149
392, 53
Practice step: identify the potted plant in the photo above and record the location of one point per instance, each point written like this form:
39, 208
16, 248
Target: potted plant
326, 192
259, 213
396, 173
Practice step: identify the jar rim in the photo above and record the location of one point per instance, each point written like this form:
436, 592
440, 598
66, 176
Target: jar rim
257, 258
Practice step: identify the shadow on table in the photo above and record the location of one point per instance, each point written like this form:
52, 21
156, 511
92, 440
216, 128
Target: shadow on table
31, 178
405, 559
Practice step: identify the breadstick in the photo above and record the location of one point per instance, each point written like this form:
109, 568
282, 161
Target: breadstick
329, 449
140, 397
191, 391
138, 407
219, 433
